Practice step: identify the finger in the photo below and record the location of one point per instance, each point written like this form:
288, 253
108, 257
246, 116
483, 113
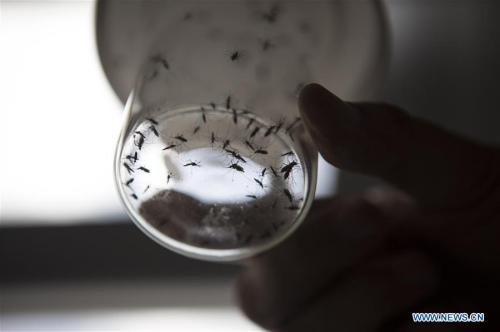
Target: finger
278, 283
373, 295
434, 166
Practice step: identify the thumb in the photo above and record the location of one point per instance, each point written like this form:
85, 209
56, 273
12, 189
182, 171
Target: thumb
435, 167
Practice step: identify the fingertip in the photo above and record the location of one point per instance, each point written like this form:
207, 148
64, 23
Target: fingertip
310, 89
312, 102
333, 124
317, 105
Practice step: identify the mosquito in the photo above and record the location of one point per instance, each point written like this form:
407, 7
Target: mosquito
192, 163
226, 144
288, 194
153, 129
274, 171
129, 182
259, 183
260, 151
249, 145
237, 167
263, 172
272, 15
158, 58
144, 169
254, 132
134, 196
269, 131
289, 153
203, 116
181, 138
235, 116
235, 55
145, 189
252, 196
228, 102
130, 158
139, 133
140, 142
279, 124
196, 129
153, 121
129, 169
250, 123
169, 176
235, 155
169, 147
212, 140
287, 169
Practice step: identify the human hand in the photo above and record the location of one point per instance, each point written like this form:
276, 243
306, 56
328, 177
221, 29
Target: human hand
366, 262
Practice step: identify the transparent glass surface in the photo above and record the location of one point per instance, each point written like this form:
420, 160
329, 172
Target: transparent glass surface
213, 160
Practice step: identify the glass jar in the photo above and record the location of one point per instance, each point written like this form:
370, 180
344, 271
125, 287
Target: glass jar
213, 161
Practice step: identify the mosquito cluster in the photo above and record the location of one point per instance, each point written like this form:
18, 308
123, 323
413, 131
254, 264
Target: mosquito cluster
260, 160
139, 139
246, 144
